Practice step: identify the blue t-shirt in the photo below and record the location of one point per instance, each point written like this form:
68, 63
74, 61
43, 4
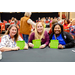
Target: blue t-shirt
61, 40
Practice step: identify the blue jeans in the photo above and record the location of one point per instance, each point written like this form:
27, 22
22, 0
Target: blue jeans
25, 37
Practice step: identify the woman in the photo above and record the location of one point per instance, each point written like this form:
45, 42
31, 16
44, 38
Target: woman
66, 25
65, 39
51, 24
25, 26
39, 33
8, 41
12, 20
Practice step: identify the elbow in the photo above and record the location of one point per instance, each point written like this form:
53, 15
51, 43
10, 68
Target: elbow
70, 45
1, 49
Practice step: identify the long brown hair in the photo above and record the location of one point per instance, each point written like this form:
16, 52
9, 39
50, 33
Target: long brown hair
8, 31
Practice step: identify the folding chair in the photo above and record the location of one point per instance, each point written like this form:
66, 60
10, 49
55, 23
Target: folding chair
9, 21
2, 27
4, 21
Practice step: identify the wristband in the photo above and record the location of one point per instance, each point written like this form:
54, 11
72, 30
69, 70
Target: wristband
45, 44
63, 46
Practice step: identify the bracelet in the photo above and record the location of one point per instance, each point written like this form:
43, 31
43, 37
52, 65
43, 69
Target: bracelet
45, 44
63, 46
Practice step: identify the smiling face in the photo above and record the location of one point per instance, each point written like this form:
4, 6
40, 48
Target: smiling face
40, 28
57, 29
13, 31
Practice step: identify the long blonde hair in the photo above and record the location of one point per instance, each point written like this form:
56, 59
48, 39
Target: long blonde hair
37, 35
8, 31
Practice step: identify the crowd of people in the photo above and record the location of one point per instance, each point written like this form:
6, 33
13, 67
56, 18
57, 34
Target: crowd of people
61, 30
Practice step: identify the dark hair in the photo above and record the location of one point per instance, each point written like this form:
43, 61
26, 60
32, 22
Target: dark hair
61, 26
67, 21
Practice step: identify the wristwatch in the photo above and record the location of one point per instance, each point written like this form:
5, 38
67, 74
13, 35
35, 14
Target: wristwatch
63, 46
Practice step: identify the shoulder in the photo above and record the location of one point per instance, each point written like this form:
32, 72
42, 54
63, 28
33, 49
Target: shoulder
45, 32
26, 17
32, 33
22, 17
5, 36
29, 19
66, 35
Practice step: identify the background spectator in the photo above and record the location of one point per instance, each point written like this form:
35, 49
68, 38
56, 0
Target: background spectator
66, 25
25, 26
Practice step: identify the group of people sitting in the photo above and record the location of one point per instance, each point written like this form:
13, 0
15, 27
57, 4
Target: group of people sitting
9, 39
